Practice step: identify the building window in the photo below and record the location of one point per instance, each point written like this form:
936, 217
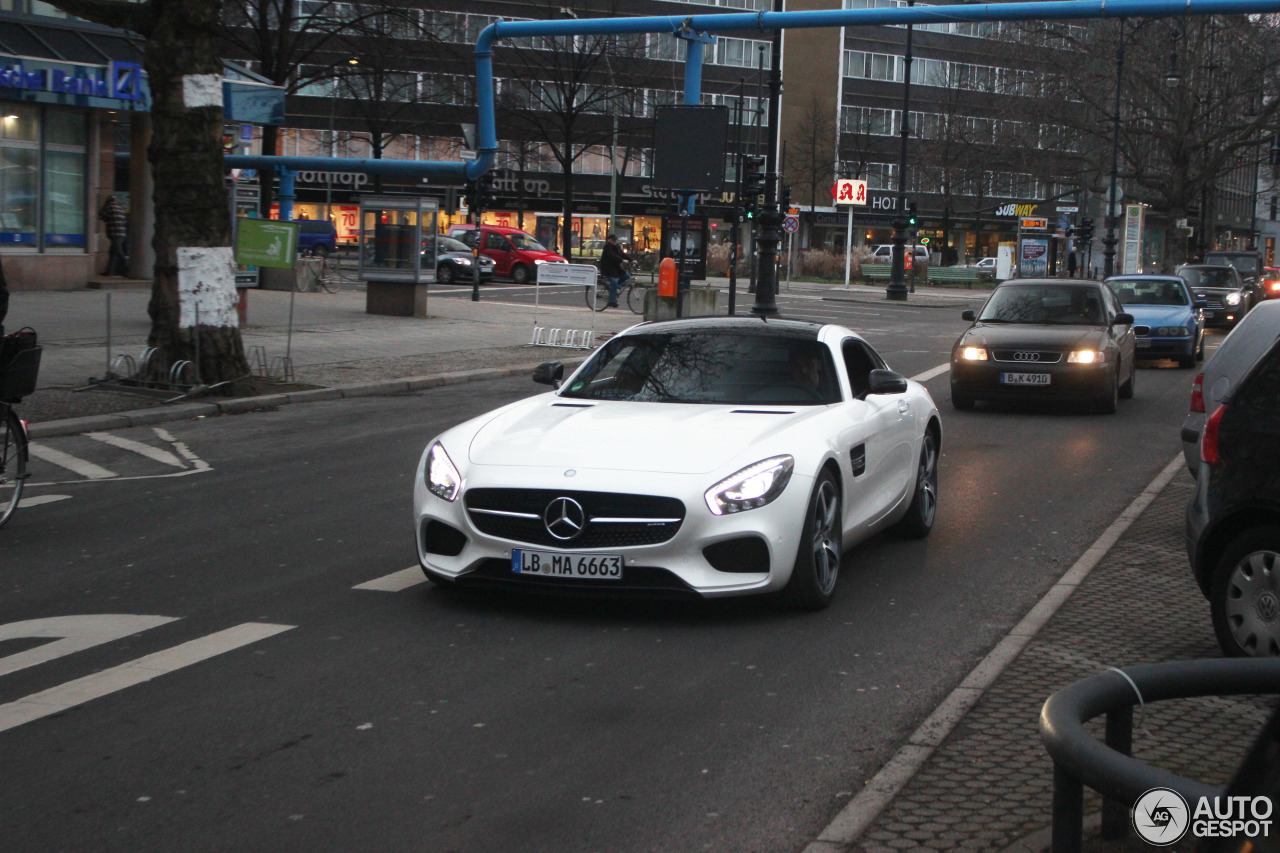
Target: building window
43, 177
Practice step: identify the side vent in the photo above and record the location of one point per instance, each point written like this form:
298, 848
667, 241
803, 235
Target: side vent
858, 459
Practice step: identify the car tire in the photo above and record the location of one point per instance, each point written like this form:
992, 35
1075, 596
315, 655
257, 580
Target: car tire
1109, 398
444, 274
1127, 389
1244, 596
918, 521
520, 274
817, 566
961, 400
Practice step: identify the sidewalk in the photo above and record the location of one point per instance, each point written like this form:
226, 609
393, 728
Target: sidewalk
336, 348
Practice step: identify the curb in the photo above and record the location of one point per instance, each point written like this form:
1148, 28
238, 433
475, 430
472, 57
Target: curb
241, 405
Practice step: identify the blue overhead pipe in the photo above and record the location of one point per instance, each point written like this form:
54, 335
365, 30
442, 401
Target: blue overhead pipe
736, 22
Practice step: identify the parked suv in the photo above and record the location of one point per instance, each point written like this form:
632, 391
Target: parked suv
516, 255
1233, 521
1226, 296
317, 237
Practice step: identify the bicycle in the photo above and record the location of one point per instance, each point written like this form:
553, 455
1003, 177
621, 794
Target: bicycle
17, 379
598, 294
330, 275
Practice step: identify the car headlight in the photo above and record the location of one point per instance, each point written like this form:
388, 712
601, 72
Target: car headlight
441, 476
973, 354
1171, 331
1084, 356
752, 487
463, 262
1232, 299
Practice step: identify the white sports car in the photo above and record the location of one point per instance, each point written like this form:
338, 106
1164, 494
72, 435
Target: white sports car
707, 457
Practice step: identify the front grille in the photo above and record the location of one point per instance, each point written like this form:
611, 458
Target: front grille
1027, 356
612, 520
1212, 300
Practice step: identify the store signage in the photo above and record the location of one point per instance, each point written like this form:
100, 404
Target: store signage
1036, 224
118, 80
849, 191
351, 179
266, 243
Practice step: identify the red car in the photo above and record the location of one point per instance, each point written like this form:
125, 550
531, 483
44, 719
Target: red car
516, 255
1271, 282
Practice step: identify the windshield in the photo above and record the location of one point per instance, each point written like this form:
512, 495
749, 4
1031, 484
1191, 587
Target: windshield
1147, 292
1044, 304
1208, 277
724, 369
1244, 263
448, 244
527, 243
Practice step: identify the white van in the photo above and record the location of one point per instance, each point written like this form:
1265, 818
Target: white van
883, 254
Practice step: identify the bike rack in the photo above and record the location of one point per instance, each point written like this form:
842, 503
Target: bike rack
567, 338
282, 369
1080, 760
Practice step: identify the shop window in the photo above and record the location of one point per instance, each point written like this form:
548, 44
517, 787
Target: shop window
43, 177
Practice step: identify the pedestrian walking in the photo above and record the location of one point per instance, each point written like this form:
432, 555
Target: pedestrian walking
1071, 264
612, 259
117, 223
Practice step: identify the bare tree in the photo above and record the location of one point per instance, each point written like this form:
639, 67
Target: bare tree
1197, 103
193, 269
812, 151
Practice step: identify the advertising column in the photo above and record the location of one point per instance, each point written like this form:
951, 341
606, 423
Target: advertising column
1033, 248
1134, 218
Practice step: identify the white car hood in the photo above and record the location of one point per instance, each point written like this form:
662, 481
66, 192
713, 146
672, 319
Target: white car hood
623, 436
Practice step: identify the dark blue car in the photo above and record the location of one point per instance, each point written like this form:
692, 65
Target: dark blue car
1167, 322
317, 237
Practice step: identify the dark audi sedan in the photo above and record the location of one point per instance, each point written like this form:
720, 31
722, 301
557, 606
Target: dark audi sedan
1046, 339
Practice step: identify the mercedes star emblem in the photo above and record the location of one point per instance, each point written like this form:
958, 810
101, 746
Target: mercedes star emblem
564, 518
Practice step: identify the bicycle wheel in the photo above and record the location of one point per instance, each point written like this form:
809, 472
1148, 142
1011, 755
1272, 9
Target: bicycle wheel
331, 274
598, 295
635, 297
13, 462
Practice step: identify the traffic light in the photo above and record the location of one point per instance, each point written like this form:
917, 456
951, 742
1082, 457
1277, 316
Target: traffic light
785, 198
911, 214
753, 179
1084, 234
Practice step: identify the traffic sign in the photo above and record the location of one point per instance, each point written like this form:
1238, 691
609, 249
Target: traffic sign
791, 224
848, 191
1068, 209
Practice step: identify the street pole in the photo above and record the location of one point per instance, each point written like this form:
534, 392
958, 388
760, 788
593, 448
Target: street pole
1109, 241
770, 217
897, 287
735, 231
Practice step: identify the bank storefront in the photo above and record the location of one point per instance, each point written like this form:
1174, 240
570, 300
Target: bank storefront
67, 97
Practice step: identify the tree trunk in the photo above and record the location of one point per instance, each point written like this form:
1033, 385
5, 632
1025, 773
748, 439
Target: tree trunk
566, 230
193, 298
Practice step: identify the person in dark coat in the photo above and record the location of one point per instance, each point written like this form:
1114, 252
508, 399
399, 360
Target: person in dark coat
612, 259
117, 225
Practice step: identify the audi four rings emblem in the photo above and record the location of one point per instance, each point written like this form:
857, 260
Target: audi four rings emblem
564, 518
1026, 356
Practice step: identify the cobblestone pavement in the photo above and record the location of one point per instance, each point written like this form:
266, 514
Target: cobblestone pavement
989, 785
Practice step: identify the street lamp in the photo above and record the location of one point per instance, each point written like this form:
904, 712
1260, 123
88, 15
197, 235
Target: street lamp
1109, 241
897, 287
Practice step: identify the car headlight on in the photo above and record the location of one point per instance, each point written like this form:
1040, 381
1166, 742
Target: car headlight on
1084, 356
441, 476
973, 354
1232, 299
464, 262
752, 487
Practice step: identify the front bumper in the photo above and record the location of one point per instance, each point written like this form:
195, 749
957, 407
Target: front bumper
982, 380
1163, 346
679, 566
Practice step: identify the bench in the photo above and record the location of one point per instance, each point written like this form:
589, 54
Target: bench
876, 272
956, 276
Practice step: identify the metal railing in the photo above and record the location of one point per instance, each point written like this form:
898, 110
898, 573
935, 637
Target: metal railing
1107, 767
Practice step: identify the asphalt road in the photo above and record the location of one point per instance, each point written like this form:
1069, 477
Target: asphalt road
300, 713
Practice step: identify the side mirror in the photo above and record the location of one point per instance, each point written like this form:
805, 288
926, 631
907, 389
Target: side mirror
968, 315
549, 373
1122, 319
886, 382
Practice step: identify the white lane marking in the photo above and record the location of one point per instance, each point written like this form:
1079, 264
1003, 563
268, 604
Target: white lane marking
74, 633
845, 829
395, 581
58, 699
930, 373
73, 464
41, 499
164, 457
181, 447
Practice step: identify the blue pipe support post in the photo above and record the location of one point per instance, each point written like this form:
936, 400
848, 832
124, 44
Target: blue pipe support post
287, 192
